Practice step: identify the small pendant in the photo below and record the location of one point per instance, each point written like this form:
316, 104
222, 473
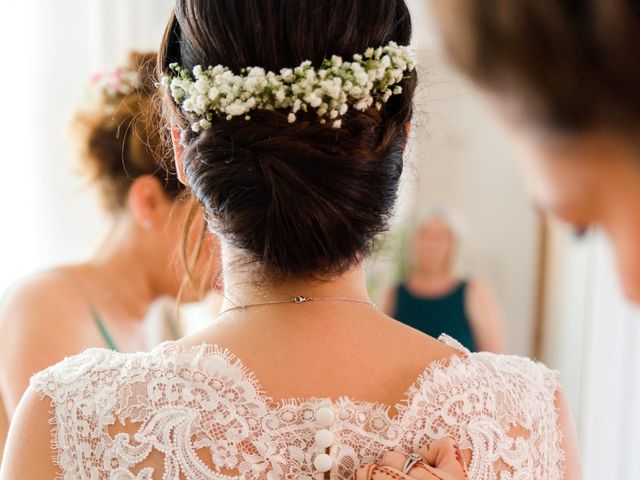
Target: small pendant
301, 299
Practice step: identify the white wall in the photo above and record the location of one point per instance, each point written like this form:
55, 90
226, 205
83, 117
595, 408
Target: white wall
17, 203
592, 335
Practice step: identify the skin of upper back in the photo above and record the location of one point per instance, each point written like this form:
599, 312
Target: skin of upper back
42, 321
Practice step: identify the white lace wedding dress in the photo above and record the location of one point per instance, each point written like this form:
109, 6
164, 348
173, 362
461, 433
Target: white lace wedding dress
197, 413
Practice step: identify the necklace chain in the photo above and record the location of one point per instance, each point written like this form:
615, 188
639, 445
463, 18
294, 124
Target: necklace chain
298, 300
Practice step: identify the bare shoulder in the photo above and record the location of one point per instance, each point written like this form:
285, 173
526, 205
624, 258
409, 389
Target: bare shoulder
41, 308
418, 346
479, 287
42, 292
481, 294
28, 450
38, 327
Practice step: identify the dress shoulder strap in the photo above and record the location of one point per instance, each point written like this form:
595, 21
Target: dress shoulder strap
95, 315
104, 331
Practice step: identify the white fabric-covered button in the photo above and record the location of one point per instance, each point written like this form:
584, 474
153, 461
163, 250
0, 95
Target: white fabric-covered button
325, 417
324, 439
323, 463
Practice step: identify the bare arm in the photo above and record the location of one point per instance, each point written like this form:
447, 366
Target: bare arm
4, 427
389, 301
28, 450
485, 315
39, 326
572, 464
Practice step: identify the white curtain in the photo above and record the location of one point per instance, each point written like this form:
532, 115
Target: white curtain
17, 204
47, 213
593, 337
610, 412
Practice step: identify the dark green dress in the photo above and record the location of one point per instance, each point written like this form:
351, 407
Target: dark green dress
436, 315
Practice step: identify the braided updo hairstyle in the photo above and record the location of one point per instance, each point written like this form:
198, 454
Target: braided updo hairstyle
301, 200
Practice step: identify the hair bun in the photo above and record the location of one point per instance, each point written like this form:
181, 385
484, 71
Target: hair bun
117, 136
301, 199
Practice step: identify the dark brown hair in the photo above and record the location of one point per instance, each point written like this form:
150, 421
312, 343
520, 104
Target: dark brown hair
567, 65
118, 137
301, 199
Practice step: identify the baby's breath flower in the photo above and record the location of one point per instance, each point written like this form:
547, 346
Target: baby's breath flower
362, 78
324, 108
314, 100
213, 93
361, 105
370, 80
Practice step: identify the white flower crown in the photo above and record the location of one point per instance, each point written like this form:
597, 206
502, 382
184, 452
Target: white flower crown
370, 79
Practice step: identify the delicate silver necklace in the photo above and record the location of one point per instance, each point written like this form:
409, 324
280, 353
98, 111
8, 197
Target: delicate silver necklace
299, 299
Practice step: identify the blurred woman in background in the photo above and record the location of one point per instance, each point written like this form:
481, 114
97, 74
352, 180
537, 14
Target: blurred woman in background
111, 299
435, 300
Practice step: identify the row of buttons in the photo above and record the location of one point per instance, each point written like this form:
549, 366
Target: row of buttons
324, 439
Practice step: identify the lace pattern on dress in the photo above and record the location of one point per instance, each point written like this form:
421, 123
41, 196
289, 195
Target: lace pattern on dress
207, 417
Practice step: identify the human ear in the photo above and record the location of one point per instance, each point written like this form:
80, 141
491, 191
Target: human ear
148, 202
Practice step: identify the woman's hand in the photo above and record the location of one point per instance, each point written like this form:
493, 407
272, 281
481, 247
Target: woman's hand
441, 460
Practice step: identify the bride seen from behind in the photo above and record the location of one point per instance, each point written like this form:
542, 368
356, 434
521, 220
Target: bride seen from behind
298, 172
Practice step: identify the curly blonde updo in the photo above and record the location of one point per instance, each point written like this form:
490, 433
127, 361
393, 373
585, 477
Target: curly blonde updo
118, 138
